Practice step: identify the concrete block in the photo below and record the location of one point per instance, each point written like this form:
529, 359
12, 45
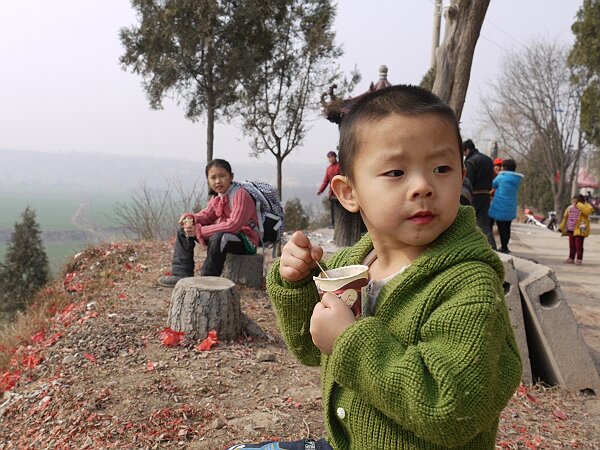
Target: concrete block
557, 352
512, 296
245, 269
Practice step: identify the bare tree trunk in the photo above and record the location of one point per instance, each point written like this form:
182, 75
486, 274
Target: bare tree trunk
279, 176
210, 127
348, 227
464, 19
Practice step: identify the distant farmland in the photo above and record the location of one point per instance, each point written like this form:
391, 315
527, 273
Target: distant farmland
55, 209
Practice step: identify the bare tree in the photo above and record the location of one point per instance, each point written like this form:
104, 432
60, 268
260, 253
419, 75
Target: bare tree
275, 106
454, 57
153, 214
534, 106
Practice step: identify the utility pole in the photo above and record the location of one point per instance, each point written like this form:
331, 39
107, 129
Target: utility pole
437, 23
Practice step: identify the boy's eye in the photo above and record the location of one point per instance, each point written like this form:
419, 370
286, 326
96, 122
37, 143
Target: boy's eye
395, 173
442, 169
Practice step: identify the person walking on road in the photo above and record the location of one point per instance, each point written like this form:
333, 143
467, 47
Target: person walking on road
480, 170
332, 170
503, 209
576, 224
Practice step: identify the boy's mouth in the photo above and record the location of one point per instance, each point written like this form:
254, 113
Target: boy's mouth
421, 217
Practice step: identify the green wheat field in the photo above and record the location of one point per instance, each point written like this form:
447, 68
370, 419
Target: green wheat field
55, 209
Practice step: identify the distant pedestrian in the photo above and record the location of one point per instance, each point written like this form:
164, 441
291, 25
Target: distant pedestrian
480, 170
497, 166
576, 224
332, 170
503, 209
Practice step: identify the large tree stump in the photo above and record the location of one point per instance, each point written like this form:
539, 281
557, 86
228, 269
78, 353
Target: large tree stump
245, 269
348, 227
202, 304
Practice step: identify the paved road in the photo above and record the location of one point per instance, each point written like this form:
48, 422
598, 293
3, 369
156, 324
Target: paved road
580, 284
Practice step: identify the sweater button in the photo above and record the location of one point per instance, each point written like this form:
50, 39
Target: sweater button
341, 413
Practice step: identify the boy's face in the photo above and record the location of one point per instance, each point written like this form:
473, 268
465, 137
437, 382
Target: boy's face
407, 178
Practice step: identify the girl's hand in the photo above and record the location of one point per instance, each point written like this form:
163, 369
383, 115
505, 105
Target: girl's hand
187, 223
330, 318
298, 258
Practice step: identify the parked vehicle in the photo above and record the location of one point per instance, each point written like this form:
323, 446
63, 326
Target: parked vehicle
532, 219
551, 221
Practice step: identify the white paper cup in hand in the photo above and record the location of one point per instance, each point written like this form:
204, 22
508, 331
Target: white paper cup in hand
188, 222
348, 283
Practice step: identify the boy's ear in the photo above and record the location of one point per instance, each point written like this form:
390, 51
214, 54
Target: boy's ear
345, 193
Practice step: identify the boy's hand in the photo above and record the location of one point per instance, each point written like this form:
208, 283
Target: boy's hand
330, 318
298, 258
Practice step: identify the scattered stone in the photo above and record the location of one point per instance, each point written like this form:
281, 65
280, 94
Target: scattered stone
263, 356
218, 423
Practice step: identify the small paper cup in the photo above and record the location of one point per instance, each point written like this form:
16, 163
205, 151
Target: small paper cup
188, 221
348, 283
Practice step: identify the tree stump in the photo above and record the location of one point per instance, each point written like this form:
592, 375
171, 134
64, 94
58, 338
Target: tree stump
245, 269
202, 304
348, 227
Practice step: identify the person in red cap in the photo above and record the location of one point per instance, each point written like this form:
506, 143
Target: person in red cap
497, 166
332, 170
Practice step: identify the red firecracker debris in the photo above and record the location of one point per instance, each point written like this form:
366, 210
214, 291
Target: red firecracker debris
207, 343
171, 338
90, 357
8, 380
38, 337
559, 414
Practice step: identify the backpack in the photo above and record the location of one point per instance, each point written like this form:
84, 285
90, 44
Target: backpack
268, 209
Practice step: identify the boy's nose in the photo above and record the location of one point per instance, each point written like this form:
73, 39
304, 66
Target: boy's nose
421, 188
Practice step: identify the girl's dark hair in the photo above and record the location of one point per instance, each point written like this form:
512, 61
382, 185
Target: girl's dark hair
218, 163
509, 164
403, 99
580, 198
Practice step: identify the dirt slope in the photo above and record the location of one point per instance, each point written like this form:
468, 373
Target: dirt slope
99, 376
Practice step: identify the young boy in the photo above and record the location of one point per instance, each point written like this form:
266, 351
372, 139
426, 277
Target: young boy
435, 362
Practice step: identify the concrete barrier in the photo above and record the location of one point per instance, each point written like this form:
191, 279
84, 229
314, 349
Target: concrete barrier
557, 352
512, 295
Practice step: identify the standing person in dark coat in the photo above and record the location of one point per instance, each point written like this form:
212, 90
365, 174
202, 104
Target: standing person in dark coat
480, 170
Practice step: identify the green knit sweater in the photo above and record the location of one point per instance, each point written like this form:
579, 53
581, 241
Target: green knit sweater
436, 363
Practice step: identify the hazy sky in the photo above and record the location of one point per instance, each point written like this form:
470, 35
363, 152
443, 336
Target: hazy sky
62, 88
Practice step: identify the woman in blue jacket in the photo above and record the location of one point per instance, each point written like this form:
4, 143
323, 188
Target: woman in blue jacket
503, 208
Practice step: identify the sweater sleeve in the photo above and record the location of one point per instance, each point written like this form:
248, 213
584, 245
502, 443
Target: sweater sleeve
207, 215
294, 303
325, 182
242, 210
455, 380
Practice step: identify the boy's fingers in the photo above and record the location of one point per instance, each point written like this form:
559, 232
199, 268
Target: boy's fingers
300, 239
330, 300
316, 253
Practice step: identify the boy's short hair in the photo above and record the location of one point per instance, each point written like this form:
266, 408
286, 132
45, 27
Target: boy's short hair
509, 164
402, 99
